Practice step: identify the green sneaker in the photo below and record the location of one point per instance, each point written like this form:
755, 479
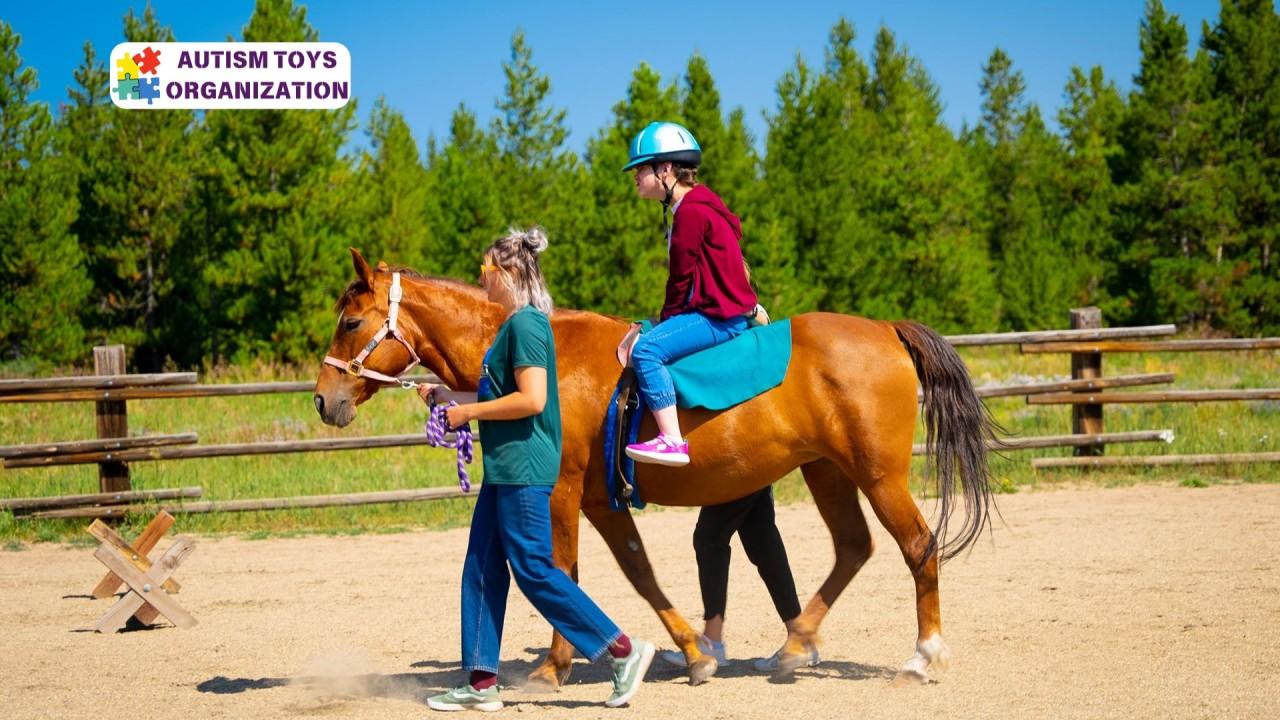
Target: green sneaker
628, 672
465, 697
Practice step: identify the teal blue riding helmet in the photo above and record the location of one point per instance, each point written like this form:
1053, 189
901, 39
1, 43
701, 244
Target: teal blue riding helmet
664, 142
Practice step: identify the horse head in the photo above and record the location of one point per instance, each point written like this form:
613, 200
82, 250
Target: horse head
389, 321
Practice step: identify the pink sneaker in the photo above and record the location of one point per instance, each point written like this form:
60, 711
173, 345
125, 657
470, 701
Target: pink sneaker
660, 451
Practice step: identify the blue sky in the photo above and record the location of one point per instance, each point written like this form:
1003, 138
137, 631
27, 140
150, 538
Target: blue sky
426, 57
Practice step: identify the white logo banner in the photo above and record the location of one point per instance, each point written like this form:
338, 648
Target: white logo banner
230, 75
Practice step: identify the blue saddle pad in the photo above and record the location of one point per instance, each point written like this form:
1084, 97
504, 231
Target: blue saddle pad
717, 378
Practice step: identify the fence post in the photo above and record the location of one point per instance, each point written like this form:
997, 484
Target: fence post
1086, 419
113, 422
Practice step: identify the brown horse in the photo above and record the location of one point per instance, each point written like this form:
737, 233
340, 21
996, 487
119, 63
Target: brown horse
844, 415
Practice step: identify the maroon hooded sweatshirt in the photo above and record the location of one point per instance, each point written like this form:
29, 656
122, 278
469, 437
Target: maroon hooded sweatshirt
705, 270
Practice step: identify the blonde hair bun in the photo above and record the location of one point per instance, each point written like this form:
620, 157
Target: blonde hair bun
517, 253
534, 240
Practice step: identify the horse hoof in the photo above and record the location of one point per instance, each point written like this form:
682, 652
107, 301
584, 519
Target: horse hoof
942, 662
540, 684
702, 670
545, 681
787, 666
911, 678
789, 663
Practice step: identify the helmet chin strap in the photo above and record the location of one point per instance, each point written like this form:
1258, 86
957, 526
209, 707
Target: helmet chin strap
666, 201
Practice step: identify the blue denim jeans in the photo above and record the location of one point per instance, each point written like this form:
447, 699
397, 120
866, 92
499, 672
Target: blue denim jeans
670, 340
512, 524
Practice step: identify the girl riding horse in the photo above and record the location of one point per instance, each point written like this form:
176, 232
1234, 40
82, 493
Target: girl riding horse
708, 301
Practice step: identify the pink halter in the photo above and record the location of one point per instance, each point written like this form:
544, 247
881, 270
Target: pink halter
356, 368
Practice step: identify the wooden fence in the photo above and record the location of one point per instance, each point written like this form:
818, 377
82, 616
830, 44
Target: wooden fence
1087, 392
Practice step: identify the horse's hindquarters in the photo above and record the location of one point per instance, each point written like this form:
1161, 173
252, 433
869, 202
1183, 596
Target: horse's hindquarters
849, 395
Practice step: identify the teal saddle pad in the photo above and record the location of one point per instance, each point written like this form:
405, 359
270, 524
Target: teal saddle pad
717, 378
736, 371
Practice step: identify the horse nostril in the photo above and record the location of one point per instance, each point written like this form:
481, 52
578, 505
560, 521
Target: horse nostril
319, 401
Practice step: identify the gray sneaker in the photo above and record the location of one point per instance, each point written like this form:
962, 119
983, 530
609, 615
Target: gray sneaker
705, 644
774, 661
628, 672
465, 697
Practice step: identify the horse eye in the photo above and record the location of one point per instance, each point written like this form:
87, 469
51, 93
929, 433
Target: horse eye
351, 324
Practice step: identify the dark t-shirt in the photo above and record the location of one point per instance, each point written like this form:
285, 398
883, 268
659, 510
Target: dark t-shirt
524, 451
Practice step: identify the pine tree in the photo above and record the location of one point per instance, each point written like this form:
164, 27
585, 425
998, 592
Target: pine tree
816, 184
275, 224
539, 180
468, 201
624, 261
528, 131
1039, 273
927, 252
1176, 211
42, 280
774, 250
728, 159
1034, 269
1244, 64
136, 181
395, 192
737, 165
1090, 124
730, 167
85, 122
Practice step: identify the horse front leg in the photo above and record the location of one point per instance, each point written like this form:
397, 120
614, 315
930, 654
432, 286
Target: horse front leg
619, 532
555, 668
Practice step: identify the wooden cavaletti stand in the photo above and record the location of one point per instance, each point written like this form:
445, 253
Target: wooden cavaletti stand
150, 588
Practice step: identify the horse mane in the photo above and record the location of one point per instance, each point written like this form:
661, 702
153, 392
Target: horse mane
358, 286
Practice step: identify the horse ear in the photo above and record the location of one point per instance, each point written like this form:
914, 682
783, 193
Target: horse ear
363, 271
382, 265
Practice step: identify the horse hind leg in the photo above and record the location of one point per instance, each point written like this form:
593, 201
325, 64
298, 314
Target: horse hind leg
890, 498
836, 496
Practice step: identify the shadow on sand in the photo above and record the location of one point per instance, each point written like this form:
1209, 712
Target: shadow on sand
438, 675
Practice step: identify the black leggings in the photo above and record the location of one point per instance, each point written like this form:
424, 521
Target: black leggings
752, 518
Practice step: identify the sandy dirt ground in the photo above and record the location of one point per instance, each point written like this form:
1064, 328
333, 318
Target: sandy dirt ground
1132, 602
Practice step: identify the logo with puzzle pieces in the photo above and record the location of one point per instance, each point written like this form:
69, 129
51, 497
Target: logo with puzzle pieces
136, 76
230, 75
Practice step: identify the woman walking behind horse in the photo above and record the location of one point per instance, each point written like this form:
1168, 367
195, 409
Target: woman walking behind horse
518, 407
708, 296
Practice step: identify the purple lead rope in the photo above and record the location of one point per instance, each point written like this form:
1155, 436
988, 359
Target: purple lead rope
437, 426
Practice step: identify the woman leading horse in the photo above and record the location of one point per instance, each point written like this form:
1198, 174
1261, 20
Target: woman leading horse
844, 415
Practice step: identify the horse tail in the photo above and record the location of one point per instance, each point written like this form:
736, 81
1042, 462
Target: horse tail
958, 427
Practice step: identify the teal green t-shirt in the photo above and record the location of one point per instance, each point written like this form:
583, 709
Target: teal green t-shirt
524, 451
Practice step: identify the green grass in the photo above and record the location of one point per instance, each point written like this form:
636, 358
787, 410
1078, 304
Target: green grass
1198, 428
1213, 427
245, 419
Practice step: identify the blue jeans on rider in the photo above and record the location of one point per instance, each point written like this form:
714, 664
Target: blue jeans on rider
670, 340
512, 524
